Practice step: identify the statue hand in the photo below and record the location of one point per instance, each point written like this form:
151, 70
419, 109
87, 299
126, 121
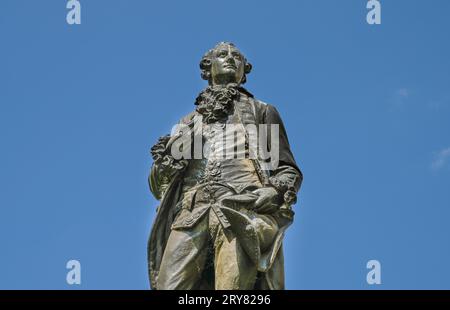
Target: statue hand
267, 200
169, 166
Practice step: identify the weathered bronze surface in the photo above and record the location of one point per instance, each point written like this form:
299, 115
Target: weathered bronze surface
221, 220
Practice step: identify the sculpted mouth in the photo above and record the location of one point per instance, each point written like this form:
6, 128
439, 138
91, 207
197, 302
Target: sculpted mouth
229, 66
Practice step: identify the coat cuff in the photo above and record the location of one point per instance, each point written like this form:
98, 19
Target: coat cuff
284, 189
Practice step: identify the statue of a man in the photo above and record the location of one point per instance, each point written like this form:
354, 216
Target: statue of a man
223, 214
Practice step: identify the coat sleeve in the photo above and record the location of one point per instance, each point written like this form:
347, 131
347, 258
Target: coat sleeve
165, 167
156, 183
287, 177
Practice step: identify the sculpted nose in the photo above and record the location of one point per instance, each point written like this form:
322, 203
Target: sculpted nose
230, 59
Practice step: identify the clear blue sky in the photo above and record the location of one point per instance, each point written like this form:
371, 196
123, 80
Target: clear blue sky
367, 110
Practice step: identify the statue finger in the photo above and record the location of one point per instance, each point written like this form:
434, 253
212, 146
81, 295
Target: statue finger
259, 202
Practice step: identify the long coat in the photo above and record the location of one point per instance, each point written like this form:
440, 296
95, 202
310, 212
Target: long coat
271, 262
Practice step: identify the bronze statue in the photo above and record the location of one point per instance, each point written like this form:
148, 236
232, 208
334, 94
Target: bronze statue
223, 214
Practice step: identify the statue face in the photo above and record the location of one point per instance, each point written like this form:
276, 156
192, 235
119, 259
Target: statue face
227, 65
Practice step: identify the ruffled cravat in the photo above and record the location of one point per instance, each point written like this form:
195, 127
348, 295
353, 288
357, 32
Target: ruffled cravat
215, 103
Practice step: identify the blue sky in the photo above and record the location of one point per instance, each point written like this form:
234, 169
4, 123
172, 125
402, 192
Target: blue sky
366, 108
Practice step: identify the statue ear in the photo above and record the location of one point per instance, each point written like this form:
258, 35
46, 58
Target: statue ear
248, 68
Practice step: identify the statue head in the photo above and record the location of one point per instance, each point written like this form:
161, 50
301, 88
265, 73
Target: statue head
224, 64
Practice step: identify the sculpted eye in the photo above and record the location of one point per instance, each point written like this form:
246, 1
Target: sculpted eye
222, 54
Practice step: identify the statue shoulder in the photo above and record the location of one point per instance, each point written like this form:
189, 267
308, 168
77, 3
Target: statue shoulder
266, 112
262, 107
187, 118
